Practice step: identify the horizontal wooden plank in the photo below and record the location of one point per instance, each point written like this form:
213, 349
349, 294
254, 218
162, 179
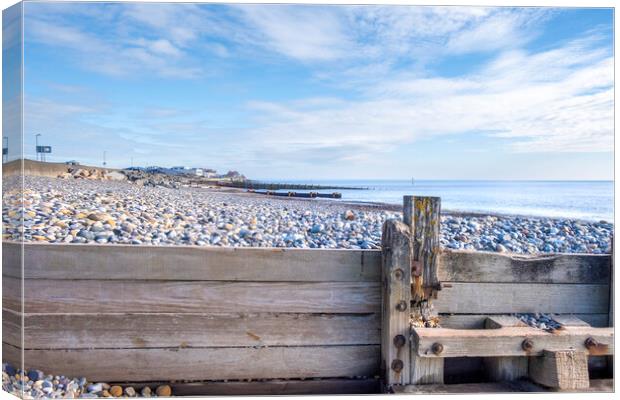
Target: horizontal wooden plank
476, 321
127, 262
596, 385
508, 298
122, 365
479, 266
270, 387
80, 331
88, 296
507, 341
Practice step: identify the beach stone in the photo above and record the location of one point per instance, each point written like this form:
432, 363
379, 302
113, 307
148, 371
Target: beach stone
349, 215
94, 387
116, 391
130, 391
163, 391
146, 392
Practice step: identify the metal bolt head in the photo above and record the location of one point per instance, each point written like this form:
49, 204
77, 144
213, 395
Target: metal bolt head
397, 365
437, 348
399, 341
590, 343
401, 306
527, 345
398, 274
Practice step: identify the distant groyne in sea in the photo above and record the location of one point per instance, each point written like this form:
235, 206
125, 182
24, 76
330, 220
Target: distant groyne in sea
250, 184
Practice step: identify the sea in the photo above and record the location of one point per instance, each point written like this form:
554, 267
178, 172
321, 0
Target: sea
584, 200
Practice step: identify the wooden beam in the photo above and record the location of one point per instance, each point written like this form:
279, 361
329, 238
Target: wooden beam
89, 296
596, 385
477, 321
143, 330
167, 364
481, 266
131, 262
508, 341
509, 298
396, 300
565, 369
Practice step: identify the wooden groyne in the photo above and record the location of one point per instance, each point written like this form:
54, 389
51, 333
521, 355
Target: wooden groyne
250, 184
304, 195
252, 321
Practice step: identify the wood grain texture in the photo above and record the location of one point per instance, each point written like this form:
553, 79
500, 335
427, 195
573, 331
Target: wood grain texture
508, 298
88, 296
422, 215
566, 369
129, 262
108, 331
122, 365
479, 266
596, 385
274, 387
425, 371
396, 299
476, 321
504, 368
507, 341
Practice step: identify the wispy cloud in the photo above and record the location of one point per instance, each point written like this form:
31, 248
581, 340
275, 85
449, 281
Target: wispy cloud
560, 100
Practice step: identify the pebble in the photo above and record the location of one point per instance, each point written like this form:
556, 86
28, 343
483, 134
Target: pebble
85, 211
163, 391
21, 384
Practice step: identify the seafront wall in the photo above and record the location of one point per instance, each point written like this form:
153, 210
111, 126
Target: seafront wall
38, 168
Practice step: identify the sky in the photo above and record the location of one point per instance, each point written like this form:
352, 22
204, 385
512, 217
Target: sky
324, 92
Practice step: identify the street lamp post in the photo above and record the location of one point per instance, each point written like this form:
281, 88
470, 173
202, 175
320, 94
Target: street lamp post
37, 144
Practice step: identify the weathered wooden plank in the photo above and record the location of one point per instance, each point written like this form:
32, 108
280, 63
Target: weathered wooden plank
88, 296
508, 298
426, 370
505, 368
566, 369
396, 300
105, 331
596, 385
127, 262
270, 387
508, 341
476, 321
479, 266
122, 365
494, 387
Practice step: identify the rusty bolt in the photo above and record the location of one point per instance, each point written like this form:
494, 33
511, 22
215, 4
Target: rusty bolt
399, 341
398, 274
437, 348
527, 345
397, 365
591, 343
401, 306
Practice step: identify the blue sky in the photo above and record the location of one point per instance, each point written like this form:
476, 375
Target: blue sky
279, 91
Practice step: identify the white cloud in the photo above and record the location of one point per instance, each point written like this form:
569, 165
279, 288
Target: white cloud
560, 100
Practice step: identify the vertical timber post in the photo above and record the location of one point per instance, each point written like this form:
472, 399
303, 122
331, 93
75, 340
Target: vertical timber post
422, 216
396, 303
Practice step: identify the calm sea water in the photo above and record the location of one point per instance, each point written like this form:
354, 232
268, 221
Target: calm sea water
589, 200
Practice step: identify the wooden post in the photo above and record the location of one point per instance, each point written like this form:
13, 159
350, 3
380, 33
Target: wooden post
561, 369
396, 294
422, 216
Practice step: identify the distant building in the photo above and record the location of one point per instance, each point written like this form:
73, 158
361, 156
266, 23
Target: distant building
196, 171
209, 173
